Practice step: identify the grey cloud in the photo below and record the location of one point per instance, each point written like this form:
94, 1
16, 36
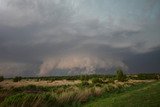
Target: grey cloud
31, 32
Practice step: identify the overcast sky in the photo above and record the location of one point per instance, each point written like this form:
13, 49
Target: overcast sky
64, 37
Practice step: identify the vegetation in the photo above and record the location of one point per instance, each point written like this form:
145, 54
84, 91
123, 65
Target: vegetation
75, 77
102, 77
137, 96
16, 79
1, 78
143, 76
85, 83
90, 88
29, 100
147, 76
32, 95
96, 80
120, 76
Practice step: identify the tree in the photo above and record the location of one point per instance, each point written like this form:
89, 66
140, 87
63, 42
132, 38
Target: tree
120, 76
84, 77
16, 79
1, 78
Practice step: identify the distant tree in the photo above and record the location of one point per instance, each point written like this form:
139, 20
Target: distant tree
16, 79
84, 77
120, 76
147, 76
1, 78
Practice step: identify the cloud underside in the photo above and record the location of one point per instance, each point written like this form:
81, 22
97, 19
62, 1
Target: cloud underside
42, 37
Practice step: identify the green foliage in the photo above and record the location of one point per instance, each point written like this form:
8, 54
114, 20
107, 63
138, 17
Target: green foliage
64, 95
109, 88
147, 76
1, 78
59, 96
84, 77
111, 80
96, 80
29, 100
16, 79
53, 79
75, 77
120, 76
85, 83
141, 96
98, 85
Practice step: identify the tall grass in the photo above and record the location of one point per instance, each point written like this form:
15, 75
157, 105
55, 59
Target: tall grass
75, 96
59, 96
30, 100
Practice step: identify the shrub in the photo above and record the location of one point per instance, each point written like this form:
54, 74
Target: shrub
109, 88
1, 78
53, 79
98, 85
111, 80
16, 79
84, 83
37, 80
31, 87
35, 89
96, 80
147, 76
84, 77
120, 75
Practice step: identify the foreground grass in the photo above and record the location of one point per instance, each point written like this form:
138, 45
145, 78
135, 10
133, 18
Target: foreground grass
72, 96
146, 96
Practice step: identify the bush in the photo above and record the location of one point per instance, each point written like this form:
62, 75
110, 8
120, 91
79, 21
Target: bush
1, 78
120, 75
111, 80
109, 88
84, 83
53, 79
16, 79
147, 76
84, 77
35, 89
98, 85
96, 80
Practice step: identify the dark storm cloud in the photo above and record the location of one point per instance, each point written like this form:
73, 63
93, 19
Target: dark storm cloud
144, 63
40, 36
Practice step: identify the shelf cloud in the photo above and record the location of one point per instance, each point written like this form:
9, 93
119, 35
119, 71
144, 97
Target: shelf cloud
40, 37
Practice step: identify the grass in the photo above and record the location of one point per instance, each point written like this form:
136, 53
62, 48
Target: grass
29, 100
141, 96
9, 83
61, 96
66, 95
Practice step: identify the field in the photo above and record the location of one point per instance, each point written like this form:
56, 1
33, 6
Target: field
83, 90
145, 96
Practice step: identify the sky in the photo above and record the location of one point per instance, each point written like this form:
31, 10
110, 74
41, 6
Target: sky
71, 37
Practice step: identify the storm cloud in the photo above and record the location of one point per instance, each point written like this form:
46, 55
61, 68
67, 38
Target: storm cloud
62, 37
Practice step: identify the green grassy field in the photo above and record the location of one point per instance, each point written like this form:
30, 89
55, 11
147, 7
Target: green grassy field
88, 91
146, 96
